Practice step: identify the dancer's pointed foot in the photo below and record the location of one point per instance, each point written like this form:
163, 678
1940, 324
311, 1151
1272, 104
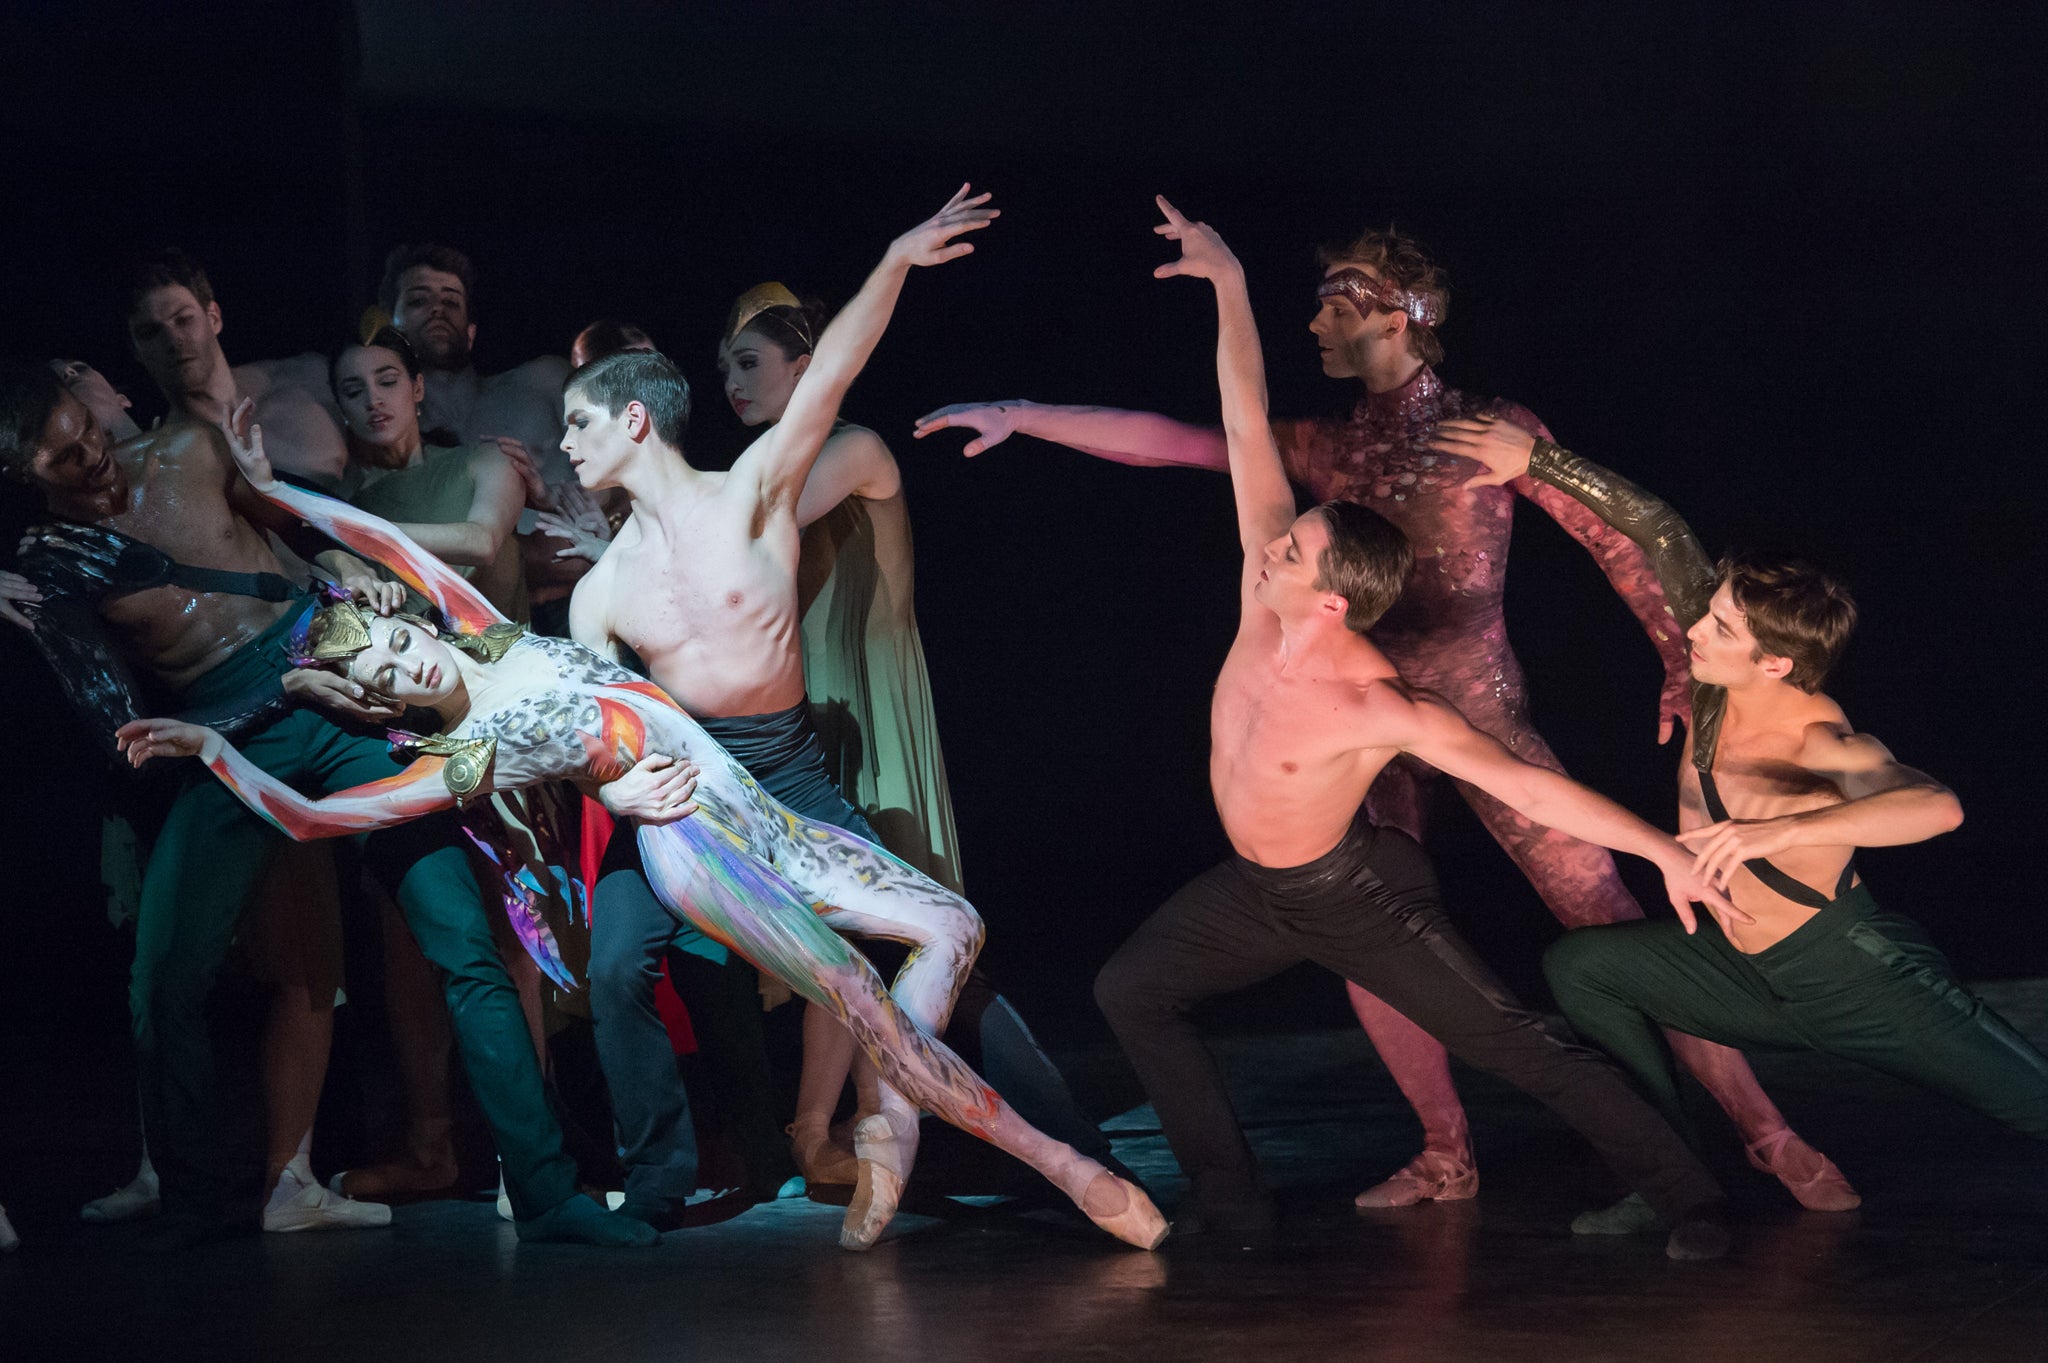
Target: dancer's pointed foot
1432, 1176
885, 1155
298, 1203
581, 1221
819, 1158
1807, 1174
1626, 1217
1122, 1209
129, 1203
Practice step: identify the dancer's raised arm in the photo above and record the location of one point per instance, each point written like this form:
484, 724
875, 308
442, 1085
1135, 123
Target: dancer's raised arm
373, 537
1140, 439
778, 463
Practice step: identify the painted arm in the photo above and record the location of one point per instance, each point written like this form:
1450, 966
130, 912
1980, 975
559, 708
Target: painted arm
1889, 804
1432, 729
779, 462
419, 790
1140, 439
373, 537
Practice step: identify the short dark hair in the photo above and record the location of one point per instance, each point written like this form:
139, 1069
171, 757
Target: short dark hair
29, 393
1367, 562
433, 255
167, 268
607, 336
1402, 262
1794, 609
643, 376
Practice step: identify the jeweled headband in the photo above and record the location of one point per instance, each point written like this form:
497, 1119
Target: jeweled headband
345, 632
758, 300
1365, 293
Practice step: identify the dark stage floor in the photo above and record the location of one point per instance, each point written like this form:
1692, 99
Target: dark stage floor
1947, 1260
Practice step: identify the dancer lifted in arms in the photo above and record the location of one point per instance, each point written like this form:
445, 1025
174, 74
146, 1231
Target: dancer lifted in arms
744, 869
1378, 308
1307, 712
1778, 793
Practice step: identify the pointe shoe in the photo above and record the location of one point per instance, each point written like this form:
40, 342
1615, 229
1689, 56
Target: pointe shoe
884, 1158
315, 1208
1431, 1176
1825, 1190
129, 1203
819, 1158
1135, 1221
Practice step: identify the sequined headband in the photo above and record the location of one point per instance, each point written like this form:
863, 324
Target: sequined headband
758, 300
1365, 293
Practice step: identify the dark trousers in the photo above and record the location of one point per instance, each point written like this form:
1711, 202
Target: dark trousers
1370, 911
1852, 981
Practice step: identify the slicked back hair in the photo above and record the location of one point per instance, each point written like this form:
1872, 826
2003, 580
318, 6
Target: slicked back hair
643, 376
434, 256
1366, 562
1794, 609
29, 393
165, 269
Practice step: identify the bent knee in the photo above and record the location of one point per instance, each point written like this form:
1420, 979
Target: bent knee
1579, 960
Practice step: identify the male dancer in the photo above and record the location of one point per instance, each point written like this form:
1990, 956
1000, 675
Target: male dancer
701, 584
1307, 712
1379, 306
157, 533
174, 325
1819, 965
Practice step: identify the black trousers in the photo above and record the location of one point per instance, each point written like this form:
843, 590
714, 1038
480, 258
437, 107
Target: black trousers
1370, 911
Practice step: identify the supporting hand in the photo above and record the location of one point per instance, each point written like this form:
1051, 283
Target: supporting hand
379, 595
1202, 252
657, 790
142, 739
583, 543
1501, 447
538, 495
338, 695
931, 241
245, 442
1721, 848
1686, 886
14, 587
991, 422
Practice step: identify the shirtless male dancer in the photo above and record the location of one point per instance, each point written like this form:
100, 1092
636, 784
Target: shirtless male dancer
1307, 712
701, 583
164, 539
1778, 792
1379, 305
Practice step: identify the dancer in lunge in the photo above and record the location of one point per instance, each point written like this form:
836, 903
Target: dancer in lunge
1307, 711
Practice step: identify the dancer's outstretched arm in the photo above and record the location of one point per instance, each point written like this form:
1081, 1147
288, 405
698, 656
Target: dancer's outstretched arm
1140, 439
419, 790
461, 605
776, 465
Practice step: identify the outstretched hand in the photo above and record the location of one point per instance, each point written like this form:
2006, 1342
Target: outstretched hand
1500, 447
1720, 848
245, 443
931, 241
583, 542
538, 495
1686, 886
142, 739
1202, 252
991, 422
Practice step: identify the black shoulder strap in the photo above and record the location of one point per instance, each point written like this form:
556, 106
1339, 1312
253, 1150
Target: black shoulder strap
93, 561
1798, 891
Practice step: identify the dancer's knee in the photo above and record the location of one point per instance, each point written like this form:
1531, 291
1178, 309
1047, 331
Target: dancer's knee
1126, 991
1577, 965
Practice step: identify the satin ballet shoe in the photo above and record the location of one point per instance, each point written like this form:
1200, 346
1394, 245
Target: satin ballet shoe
1135, 1221
883, 1155
308, 1206
1825, 1190
1431, 1176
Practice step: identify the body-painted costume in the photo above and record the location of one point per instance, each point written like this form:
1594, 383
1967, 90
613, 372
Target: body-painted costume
751, 874
1854, 980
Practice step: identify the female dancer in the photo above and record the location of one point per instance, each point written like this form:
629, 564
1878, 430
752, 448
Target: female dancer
521, 709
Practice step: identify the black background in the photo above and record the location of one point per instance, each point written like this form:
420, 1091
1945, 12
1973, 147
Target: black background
1771, 261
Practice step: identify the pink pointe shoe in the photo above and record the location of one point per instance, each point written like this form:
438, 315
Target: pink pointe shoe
1431, 1176
1134, 1220
1824, 1190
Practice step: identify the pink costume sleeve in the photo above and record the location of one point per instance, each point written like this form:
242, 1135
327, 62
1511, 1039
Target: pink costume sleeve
417, 791
381, 542
1627, 567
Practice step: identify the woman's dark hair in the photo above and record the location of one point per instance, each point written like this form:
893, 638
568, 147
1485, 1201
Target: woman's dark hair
792, 330
386, 337
28, 394
607, 336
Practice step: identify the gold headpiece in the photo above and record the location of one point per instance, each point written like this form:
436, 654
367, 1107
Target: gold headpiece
758, 300
344, 630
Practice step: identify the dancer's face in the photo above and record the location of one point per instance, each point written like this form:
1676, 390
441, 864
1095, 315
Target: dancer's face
100, 397
598, 443
1345, 338
1724, 652
73, 458
406, 662
176, 338
380, 402
432, 310
759, 378
1293, 568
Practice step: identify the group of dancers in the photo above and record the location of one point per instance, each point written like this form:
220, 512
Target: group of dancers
727, 665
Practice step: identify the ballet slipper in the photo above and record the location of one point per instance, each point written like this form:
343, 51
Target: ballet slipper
1122, 1209
1824, 1190
884, 1155
1431, 1176
820, 1158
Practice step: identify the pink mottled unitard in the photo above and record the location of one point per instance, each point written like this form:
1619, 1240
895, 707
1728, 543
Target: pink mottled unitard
1448, 633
